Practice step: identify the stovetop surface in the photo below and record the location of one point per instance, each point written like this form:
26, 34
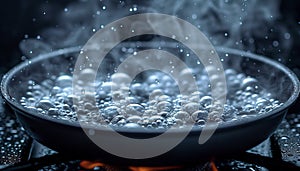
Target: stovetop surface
280, 151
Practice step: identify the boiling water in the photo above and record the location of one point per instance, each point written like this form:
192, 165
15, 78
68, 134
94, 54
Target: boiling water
153, 102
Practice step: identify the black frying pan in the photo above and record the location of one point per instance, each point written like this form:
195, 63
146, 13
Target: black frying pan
229, 138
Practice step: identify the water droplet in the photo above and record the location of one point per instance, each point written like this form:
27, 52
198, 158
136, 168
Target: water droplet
194, 16
287, 36
275, 43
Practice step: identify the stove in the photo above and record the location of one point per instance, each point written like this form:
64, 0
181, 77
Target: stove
19, 152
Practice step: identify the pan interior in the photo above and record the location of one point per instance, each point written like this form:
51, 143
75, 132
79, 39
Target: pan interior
281, 84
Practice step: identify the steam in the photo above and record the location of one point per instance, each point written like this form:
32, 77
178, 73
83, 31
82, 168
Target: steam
249, 25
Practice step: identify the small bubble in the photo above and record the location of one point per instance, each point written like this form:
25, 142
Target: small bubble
104, 7
287, 35
113, 28
275, 43
66, 9
194, 16
23, 58
225, 34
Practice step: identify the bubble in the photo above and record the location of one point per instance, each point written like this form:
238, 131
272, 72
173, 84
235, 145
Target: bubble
164, 106
138, 89
117, 118
185, 73
64, 81
201, 122
199, 114
45, 104
182, 115
287, 35
131, 125
87, 75
153, 87
250, 82
118, 95
90, 106
155, 94
121, 78
191, 107
55, 90
134, 109
275, 43
230, 72
155, 118
134, 119
150, 112
110, 112
107, 86
154, 79
164, 98
205, 100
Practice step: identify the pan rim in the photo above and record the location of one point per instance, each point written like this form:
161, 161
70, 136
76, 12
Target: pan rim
221, 127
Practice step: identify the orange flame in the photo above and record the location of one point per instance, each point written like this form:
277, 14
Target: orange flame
92, 164
213, 166
153, 168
